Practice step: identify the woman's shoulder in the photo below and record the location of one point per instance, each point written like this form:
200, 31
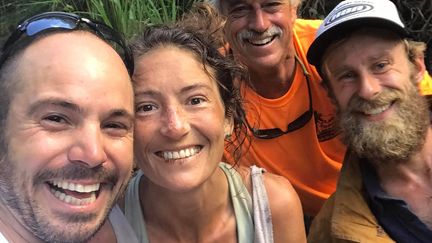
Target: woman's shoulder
282, 196
286, 209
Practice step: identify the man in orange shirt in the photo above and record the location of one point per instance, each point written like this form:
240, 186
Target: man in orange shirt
290, 116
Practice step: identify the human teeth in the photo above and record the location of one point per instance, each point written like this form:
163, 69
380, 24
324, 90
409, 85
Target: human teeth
79, 187
261, 41
63, 184
73, 200
377, 110
76, 187
181, 154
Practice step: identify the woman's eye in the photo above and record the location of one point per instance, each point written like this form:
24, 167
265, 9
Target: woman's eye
197, 100
145, 108
381, 65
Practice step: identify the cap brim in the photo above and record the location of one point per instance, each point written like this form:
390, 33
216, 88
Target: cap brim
322, 42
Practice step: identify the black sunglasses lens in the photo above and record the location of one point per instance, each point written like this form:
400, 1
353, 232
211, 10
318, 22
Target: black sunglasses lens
267, 133
300, 122
39, 25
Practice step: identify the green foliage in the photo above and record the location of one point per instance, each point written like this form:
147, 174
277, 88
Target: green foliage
129, 16
126, 16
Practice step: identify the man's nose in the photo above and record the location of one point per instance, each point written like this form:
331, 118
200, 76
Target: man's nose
258, 21
369, 86
88, 147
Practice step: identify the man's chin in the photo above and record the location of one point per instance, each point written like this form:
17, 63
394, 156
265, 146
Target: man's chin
383, 142
69, 232
65, 226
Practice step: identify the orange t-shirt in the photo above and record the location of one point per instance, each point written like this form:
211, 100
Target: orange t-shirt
310, 157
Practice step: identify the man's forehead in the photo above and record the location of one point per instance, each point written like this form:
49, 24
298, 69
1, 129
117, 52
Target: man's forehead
229, 3
234, 2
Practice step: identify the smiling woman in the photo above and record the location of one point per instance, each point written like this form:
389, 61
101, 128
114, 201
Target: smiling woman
187, 106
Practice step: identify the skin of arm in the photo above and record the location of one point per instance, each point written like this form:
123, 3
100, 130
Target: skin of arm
285, 206
286, 210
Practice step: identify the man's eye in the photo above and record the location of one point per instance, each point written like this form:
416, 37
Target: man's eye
115, 126
117, 129
55, 118
381, 67
55, 122
346, 77
239, 11
272, 6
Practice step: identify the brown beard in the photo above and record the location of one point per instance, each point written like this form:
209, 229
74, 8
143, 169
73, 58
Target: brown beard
395, 139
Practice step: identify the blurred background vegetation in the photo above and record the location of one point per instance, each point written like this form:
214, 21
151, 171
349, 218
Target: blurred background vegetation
128, 16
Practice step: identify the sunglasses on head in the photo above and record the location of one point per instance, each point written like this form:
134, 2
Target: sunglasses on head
67, 21
298, 123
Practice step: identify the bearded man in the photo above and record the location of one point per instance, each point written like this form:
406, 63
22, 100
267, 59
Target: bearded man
373, 74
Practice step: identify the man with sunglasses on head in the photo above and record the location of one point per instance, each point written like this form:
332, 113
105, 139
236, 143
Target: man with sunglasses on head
66, 117
376, 76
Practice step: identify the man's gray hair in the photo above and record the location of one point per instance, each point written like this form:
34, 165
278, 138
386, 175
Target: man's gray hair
217, 3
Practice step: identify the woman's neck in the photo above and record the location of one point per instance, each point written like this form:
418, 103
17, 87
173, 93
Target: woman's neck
191, 215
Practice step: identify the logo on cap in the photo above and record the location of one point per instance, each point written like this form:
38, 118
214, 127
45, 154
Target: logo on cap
348, 11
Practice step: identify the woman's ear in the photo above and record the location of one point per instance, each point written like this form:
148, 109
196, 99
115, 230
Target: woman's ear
228, 127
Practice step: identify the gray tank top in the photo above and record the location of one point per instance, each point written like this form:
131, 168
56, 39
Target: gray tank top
240, 197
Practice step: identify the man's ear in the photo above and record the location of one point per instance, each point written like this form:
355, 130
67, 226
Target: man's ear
293, 14
419, 69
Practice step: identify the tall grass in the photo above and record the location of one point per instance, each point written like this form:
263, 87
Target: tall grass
126, 16
129, 16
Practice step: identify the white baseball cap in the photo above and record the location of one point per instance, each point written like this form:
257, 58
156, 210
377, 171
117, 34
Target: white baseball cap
350, 15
